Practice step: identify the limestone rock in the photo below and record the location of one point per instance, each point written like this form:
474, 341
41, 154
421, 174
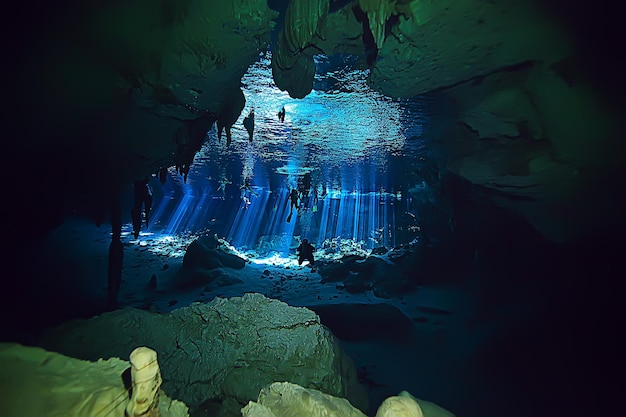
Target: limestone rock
358, 275
283, 399
380, 250
298, 78
146, 381
205, 263
186, 65
300, 25
310, 29
292, 67
429, 409
536, 137
149, 68
397, 406
286, 399
341, 33
505, 113
378, 12
226, 349
36, 382
579, 126
438, 44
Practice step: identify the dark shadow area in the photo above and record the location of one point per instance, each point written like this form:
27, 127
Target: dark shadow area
596, 31
564, 303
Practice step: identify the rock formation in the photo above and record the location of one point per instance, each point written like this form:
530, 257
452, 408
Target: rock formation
207, 262
36, 382
221, 352
146, 381
287, 399
127, 89
538, 135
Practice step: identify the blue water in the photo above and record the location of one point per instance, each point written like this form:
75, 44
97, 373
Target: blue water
358, 149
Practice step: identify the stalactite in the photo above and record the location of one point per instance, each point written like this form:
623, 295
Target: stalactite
378, 12
301, 22
293, 69
142, 201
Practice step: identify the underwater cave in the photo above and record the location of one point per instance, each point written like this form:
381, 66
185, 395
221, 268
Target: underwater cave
456, 167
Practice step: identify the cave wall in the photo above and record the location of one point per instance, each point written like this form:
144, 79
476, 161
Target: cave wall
546, 147
103, 94
533, 124
106, 93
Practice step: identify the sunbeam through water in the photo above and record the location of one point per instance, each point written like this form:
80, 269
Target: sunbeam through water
349, 151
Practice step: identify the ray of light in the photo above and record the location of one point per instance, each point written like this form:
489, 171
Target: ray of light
343, 138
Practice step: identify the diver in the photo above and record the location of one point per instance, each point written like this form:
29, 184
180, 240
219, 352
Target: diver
247, 192
281, 114
305, 252
248, 123
223, 183
322, 191
294, 196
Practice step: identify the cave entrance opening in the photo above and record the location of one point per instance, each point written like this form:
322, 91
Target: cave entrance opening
356, 157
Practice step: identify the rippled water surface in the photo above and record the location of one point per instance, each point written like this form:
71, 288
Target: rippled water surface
351, 149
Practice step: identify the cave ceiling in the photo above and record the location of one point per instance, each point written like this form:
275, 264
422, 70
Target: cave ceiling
103, 93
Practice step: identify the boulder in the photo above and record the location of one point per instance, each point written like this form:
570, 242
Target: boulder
227, 349
381, 250
205, 262
375, 274
204, 253
286, 399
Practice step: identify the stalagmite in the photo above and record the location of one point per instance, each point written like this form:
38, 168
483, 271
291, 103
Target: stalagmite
146, 379
399, 406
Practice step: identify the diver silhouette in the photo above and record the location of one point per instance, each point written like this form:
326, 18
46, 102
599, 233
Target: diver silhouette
223, 183
293, 201
281, 114
247, 192
305, 252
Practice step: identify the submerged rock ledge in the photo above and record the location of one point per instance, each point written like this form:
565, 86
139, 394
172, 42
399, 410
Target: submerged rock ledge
224, 351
